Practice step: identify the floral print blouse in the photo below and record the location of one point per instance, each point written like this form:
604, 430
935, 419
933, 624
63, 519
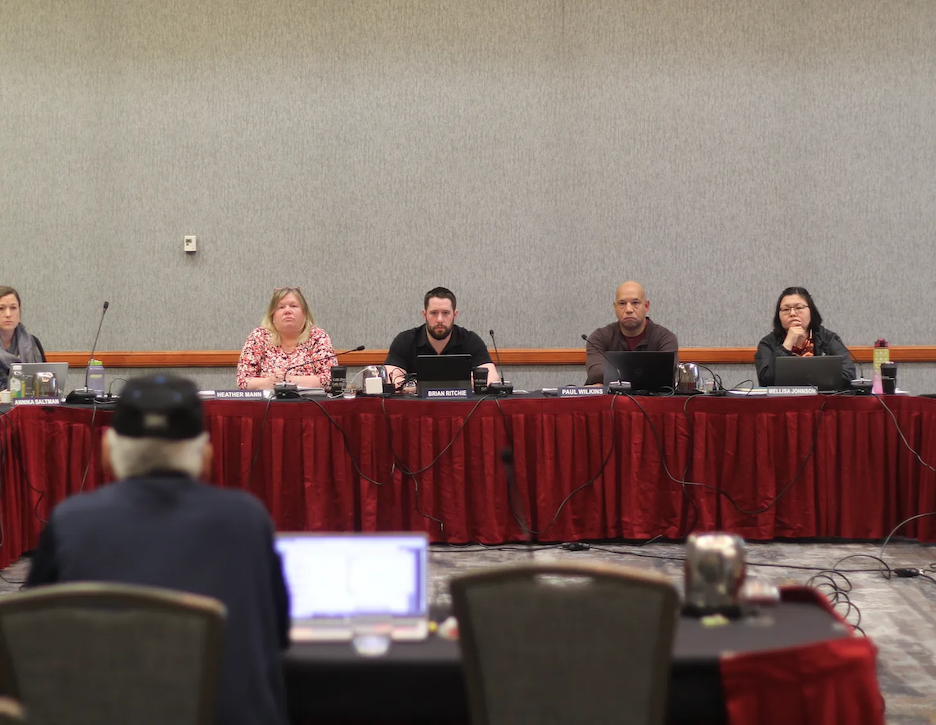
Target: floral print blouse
260, 357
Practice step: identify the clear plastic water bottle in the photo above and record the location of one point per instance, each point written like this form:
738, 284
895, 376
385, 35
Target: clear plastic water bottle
17, 382
881, 355
96, 377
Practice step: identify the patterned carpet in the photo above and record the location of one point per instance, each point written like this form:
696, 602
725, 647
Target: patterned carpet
898, 614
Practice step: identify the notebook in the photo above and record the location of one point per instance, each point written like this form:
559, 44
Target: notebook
334, 577
443, 371
59, 369
823, 372
647, 372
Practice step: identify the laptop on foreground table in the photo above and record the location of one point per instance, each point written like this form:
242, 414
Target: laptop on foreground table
647, 372
332, 578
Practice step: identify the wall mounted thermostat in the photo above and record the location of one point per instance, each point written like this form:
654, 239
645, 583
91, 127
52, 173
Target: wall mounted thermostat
188, 244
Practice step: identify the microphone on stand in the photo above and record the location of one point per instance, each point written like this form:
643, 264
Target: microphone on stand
85, 395
291, 390
339, 374
861, 385
503, 387
621, 387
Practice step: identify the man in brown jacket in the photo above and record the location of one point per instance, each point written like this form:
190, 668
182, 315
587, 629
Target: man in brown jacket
632, 331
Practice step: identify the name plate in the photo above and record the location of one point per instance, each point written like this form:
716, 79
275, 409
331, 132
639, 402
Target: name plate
37, 401
238, 395
778, 391
443, 393
577, 392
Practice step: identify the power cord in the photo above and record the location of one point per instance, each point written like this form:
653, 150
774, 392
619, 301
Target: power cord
589, 482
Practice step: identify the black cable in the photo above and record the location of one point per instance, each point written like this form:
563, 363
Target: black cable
768, 564
458, 548
837, 594
347, 445
42, 493
508, 458
919, 458
84, 477
445, 450
266, 412
685, 474
725, 494
109, 387
901, 524
902, 436
3, 451
589, 482
717, 383
403, 469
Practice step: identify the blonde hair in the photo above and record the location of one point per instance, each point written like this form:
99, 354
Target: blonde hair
278, 294
132, 457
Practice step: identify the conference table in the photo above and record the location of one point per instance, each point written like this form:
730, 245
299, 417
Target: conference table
717, 674
527, 467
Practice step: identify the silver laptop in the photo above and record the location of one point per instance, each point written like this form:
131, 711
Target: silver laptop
59, 369
333, 578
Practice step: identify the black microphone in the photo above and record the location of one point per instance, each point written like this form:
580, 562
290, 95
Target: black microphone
860, 385
96, 336
85, 395
503, 387
291, 390
621, 387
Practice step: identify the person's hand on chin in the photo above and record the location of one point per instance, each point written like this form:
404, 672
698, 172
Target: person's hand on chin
796, 336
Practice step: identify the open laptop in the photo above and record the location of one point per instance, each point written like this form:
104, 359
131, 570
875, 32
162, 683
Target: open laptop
59, 369
823, 372
334, 577
451, 372
647, 372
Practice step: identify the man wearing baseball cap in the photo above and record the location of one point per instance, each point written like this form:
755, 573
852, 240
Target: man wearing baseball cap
159, 526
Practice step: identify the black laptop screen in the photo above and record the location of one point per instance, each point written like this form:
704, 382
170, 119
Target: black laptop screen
646, 371
443, 368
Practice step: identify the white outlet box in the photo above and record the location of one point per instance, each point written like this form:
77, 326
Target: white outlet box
189, 244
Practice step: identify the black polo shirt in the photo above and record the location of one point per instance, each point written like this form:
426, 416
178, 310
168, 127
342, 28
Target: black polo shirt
411, 343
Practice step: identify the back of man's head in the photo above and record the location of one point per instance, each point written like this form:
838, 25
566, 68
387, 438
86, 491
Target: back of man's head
158, 426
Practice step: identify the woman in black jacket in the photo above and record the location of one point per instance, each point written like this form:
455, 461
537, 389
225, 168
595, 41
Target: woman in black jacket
798, 330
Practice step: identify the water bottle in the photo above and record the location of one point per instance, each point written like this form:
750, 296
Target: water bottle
881, 356
17, 382
96, 376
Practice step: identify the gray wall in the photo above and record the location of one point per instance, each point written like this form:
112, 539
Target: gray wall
529, 154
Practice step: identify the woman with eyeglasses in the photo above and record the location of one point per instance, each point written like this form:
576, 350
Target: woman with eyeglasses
798, 330
287, 347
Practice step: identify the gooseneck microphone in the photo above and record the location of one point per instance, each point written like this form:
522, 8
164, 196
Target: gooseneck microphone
616, 388
291, 390
861, 385
94, 346
503, 387
84, 396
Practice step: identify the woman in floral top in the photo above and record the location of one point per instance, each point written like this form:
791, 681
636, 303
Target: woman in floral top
287, 347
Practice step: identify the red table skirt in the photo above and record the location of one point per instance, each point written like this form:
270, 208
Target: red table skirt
590, 468
833, 682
